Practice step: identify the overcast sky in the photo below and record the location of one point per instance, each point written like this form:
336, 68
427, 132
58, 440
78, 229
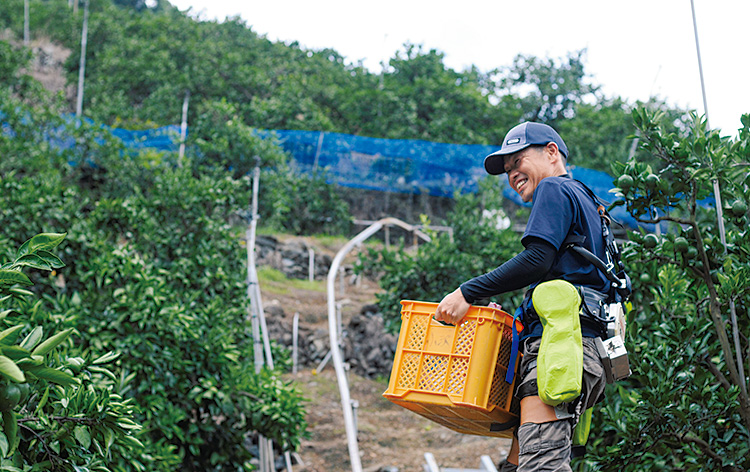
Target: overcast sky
636, 48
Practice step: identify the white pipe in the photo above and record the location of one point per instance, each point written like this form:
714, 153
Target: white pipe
487, 464
338, 362
431, 465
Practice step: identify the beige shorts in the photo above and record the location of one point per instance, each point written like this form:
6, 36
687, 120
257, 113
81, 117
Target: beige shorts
594, 380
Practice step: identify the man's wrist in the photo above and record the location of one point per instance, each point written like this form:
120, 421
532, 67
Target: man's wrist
470, 300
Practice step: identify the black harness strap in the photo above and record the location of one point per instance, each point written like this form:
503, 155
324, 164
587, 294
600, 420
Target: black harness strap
613, 268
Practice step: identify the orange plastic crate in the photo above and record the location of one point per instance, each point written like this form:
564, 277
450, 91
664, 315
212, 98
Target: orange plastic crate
455, 375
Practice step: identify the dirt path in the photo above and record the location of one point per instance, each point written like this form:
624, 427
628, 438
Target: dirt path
389, 436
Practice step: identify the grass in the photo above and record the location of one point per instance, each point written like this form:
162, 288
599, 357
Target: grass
275, 281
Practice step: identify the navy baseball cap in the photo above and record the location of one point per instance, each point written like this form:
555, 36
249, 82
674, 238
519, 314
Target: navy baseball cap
520, 137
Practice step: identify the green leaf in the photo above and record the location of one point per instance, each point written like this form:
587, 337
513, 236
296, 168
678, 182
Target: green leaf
43, 401
51, 343
16, 353
4, 446
52, 375
83, 436
9, 369
42, 241
108, 357
8, 278
102, 370
51, 259
9, 335
10, 427
33, 338
32, 260
21, 291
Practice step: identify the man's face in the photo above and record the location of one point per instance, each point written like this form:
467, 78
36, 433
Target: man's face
527, 168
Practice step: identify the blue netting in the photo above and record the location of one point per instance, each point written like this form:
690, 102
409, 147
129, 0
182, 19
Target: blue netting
166, 138
394, 165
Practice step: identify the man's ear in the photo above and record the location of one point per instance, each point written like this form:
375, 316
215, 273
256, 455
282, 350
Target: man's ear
553, 153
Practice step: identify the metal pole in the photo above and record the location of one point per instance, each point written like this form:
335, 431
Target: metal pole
720, 215
183, 127
26, 34
82, 63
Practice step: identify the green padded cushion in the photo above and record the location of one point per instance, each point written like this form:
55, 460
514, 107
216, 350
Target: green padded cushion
560, 361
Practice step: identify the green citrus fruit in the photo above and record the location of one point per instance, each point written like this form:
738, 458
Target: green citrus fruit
645, 278
681, 244
739, 208
625, 182
25, 390
650, 241
692, 252
10, 395
652, 181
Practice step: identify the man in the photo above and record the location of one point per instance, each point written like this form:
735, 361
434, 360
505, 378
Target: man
534, 156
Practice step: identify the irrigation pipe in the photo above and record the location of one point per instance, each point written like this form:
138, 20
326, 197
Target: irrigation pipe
338, 362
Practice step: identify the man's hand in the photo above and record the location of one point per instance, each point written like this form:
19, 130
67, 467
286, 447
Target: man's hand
453, 308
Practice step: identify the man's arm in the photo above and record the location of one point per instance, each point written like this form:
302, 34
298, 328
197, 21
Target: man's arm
527, 267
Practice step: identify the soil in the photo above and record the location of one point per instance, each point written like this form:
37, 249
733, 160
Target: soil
390, 438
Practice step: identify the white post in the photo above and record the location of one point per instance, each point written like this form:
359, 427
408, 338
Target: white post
26, 34
82, 62
311, 264
317, 152
288, 461
254, 288
295, 335
183, 127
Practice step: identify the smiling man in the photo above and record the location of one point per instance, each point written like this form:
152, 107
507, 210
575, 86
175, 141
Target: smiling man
534, 156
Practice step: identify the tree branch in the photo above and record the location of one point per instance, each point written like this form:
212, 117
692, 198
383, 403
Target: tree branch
706, 448
716, 372
51, 455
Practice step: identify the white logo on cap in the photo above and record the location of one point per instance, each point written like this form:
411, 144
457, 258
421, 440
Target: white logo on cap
513, 141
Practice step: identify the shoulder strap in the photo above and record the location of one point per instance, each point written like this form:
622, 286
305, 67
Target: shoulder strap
613, 268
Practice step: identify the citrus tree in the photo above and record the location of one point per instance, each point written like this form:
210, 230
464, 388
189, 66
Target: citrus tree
686, 407
62, 408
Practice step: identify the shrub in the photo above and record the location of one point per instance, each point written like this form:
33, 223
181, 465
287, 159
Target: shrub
62, 407
156, 273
